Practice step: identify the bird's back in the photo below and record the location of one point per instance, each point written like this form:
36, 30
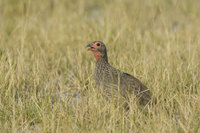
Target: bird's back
112, 80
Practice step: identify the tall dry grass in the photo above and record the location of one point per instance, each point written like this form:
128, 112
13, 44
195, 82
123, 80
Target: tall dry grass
46, 82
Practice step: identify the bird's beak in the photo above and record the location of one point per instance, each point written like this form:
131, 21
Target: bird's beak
89, 45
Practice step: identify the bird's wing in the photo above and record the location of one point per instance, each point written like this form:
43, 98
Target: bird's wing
134, 85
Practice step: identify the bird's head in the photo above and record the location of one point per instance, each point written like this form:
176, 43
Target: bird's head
99, 50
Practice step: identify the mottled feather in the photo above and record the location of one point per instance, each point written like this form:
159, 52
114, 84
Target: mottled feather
112, 80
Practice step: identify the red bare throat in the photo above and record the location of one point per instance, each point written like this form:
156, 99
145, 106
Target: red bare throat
96, 53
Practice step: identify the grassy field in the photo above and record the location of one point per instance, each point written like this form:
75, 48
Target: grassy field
46, 74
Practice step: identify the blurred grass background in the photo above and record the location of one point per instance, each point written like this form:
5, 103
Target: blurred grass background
42, 55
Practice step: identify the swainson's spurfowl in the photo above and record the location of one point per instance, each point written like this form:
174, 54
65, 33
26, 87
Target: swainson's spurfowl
112, 80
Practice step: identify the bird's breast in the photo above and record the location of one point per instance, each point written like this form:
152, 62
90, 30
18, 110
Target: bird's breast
106, 77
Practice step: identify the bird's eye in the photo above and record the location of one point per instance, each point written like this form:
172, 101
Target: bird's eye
98, 44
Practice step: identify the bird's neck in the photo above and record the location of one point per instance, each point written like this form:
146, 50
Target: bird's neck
97, 55
100, 57
102, 61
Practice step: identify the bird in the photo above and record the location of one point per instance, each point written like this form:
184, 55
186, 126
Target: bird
112, 80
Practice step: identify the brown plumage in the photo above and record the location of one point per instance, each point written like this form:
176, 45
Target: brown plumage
113, 80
